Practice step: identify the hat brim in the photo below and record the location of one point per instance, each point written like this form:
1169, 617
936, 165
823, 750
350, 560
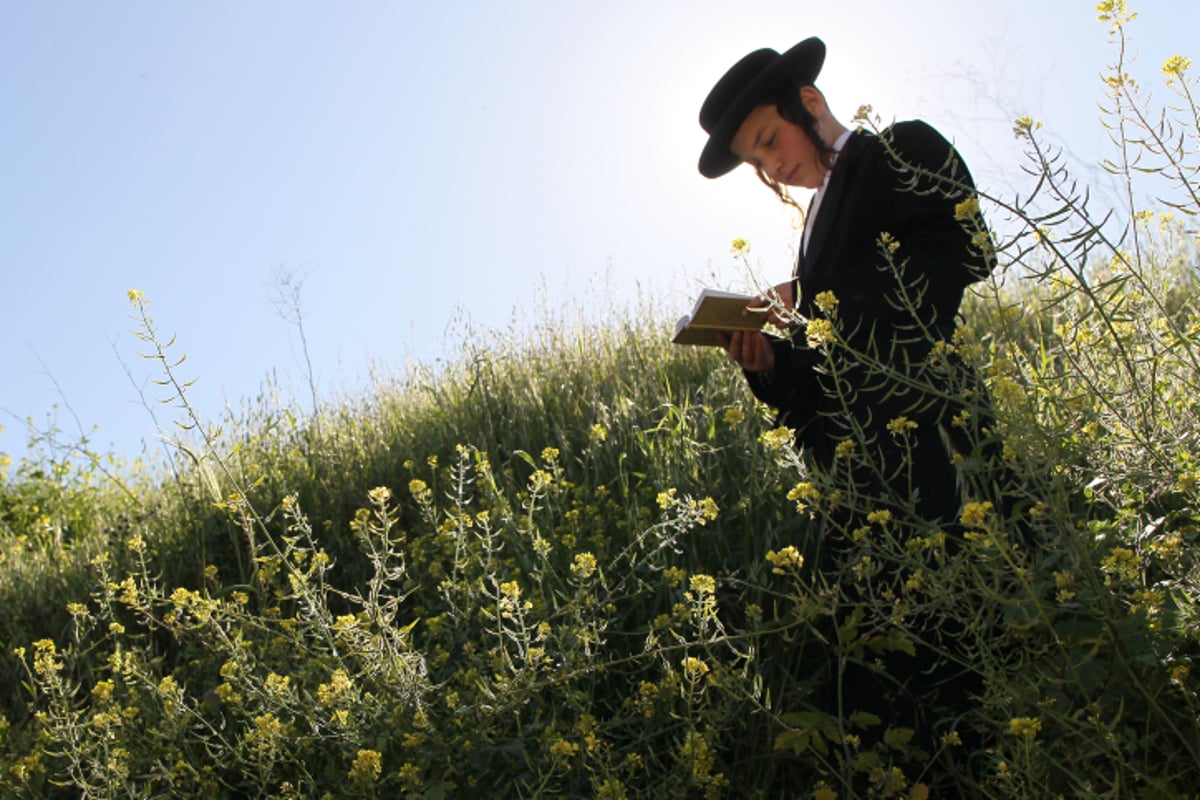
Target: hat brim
800, 65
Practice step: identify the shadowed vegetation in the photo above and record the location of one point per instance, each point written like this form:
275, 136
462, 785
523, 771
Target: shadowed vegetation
578, 562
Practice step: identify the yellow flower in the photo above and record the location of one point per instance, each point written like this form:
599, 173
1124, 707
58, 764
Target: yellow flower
707, 508
694, 669
1025, 726
915, 581
739, 246
966, 210
411, 775
802, 493
103, 690
787, 558
332, 693
826, 301
268, 729
1025, 126
129, 591
696, 750
1175, 67
1121, 563
703, 584
975, 514
674, 575
778, 438
563, 748
611, 789
823, 792
1008, 390
733, 416
940, 351
666, 499
228, 695
1114, 11
845, 448
900, 426
1063, 581
540, 480
983, 241
276, 683
598, 433
182, 597
888, 242
880, 517
135, 296
367, 766
584, 566
819, 332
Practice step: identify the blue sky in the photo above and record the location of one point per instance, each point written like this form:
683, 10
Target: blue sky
428, 167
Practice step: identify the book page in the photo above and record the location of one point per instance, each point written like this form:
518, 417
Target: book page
724, 312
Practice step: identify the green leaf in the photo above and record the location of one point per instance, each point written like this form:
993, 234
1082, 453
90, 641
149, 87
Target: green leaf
439, 790
898, 738
864, 719
796, 741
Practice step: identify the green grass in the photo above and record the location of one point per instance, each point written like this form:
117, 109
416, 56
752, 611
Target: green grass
577, 562
527, 604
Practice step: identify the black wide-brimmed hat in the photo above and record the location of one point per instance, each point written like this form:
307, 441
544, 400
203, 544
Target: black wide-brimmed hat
747, 84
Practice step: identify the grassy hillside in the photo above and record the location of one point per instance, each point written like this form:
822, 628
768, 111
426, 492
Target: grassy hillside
573, 566
579, 563
381, 549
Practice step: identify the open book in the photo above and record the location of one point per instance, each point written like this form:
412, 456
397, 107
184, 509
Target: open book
716, 312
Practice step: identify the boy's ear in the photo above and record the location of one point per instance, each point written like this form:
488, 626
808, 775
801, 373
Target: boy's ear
813, 100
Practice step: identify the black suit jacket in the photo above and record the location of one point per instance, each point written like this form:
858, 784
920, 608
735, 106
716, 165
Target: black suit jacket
906, 182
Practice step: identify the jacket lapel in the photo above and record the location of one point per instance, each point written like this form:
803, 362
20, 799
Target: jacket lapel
829, 204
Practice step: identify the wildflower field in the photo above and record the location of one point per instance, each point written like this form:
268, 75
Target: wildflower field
581, 563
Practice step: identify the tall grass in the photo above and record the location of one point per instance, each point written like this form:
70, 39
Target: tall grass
578, 562
520, 463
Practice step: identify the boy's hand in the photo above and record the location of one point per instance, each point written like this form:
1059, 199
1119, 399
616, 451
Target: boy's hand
750, 350
780, 302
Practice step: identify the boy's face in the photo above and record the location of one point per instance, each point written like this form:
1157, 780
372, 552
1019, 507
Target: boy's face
780, 148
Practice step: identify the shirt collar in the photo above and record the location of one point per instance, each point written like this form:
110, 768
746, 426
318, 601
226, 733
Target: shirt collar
838, 144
